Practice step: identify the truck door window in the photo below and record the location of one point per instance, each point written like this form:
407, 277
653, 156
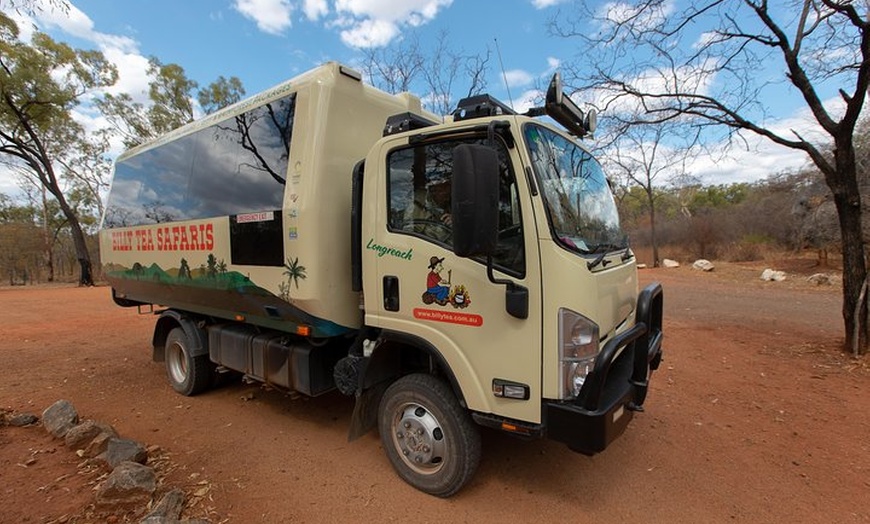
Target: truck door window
419, 184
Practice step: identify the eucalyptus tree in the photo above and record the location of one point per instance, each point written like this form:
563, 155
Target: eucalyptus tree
169, 103
41, 83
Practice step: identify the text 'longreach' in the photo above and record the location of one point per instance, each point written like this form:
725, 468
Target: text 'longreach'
167, 238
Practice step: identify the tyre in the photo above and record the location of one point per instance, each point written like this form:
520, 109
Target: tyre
188, 375
429, 438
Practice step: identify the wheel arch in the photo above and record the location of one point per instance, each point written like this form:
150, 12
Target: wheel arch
401, 354
193, 327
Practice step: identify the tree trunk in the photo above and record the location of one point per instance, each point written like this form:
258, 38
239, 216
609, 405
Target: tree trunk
847, 198
47, 237
652, 229
78, 236
86, 278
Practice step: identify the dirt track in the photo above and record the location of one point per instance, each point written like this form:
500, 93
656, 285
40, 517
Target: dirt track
754, 417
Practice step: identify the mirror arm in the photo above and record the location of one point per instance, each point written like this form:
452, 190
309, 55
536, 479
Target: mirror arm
516, 296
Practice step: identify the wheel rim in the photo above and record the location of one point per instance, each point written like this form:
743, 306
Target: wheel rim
418, 437
177, 363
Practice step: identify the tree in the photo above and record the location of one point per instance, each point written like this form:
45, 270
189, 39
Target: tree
701, 67
405, 65
40, 85
169, 106
19, 236
221, 93
644, 155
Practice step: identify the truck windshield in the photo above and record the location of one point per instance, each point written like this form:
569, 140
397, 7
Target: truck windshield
580, 206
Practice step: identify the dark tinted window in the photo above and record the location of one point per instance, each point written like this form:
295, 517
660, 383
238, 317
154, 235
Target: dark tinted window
420, 180
236, 166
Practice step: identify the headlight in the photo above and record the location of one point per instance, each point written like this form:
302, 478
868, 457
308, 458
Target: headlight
578, 346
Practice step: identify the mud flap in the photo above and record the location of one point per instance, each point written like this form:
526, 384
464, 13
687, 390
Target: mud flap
365, 411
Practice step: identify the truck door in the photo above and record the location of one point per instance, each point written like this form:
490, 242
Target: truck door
425, 290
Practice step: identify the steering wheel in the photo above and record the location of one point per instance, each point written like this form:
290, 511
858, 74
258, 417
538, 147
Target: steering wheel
510, 231
419, 225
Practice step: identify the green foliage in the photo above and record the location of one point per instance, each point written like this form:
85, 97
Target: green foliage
41, 83
170, 103
221, 93
719, 196
734, 221
11, 213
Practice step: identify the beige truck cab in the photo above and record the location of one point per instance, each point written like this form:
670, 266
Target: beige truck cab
448, 275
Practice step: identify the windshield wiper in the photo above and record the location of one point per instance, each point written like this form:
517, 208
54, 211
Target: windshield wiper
605, 249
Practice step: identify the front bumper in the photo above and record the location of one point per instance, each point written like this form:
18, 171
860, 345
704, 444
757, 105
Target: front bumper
617, 385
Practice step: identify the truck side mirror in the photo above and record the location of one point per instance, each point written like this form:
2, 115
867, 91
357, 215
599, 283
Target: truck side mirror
475, 200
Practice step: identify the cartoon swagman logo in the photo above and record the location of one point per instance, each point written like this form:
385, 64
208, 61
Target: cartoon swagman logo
438, 289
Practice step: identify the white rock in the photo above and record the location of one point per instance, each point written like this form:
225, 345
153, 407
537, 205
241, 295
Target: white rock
703, 265
821, 279
670, 263
770, 275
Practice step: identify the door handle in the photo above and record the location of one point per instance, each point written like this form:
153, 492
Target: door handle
391, 293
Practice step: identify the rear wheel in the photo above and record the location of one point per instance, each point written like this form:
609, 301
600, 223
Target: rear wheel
188, 375
429, 438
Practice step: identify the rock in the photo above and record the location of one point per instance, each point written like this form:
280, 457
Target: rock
168, 510
670, 263
703, 265
128, 485
59, 418
821, 279
99, 444
121, 450
82, 435
23, 419
769, 275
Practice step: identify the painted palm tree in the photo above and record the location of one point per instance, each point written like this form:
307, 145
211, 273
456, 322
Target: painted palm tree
294, 271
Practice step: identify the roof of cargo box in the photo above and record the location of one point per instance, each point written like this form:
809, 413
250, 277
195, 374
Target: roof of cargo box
319, 74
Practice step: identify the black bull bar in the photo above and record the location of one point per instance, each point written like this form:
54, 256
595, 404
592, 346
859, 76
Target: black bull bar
618, 384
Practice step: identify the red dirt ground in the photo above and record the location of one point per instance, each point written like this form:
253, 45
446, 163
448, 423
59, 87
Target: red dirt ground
754, 416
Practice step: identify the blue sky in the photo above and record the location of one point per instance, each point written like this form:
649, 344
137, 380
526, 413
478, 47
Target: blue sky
264, 42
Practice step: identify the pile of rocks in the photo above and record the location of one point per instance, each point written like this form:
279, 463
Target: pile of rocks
131, 484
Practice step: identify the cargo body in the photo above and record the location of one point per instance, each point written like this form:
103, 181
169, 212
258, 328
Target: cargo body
230, 215
448, 273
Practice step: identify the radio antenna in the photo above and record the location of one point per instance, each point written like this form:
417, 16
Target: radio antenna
503, 73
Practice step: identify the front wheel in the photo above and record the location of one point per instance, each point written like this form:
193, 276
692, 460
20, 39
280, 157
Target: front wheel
430, 440
188, 374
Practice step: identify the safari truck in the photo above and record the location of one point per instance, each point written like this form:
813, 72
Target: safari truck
304, 238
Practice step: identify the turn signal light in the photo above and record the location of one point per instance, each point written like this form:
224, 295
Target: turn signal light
507, 389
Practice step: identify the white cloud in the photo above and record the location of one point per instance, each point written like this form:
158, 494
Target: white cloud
543, 4
518, 78
370, 33
122, 51
758, 157
374, 23
617, 13
271, 16
74, 22
527, 100
314, 9
132, 74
